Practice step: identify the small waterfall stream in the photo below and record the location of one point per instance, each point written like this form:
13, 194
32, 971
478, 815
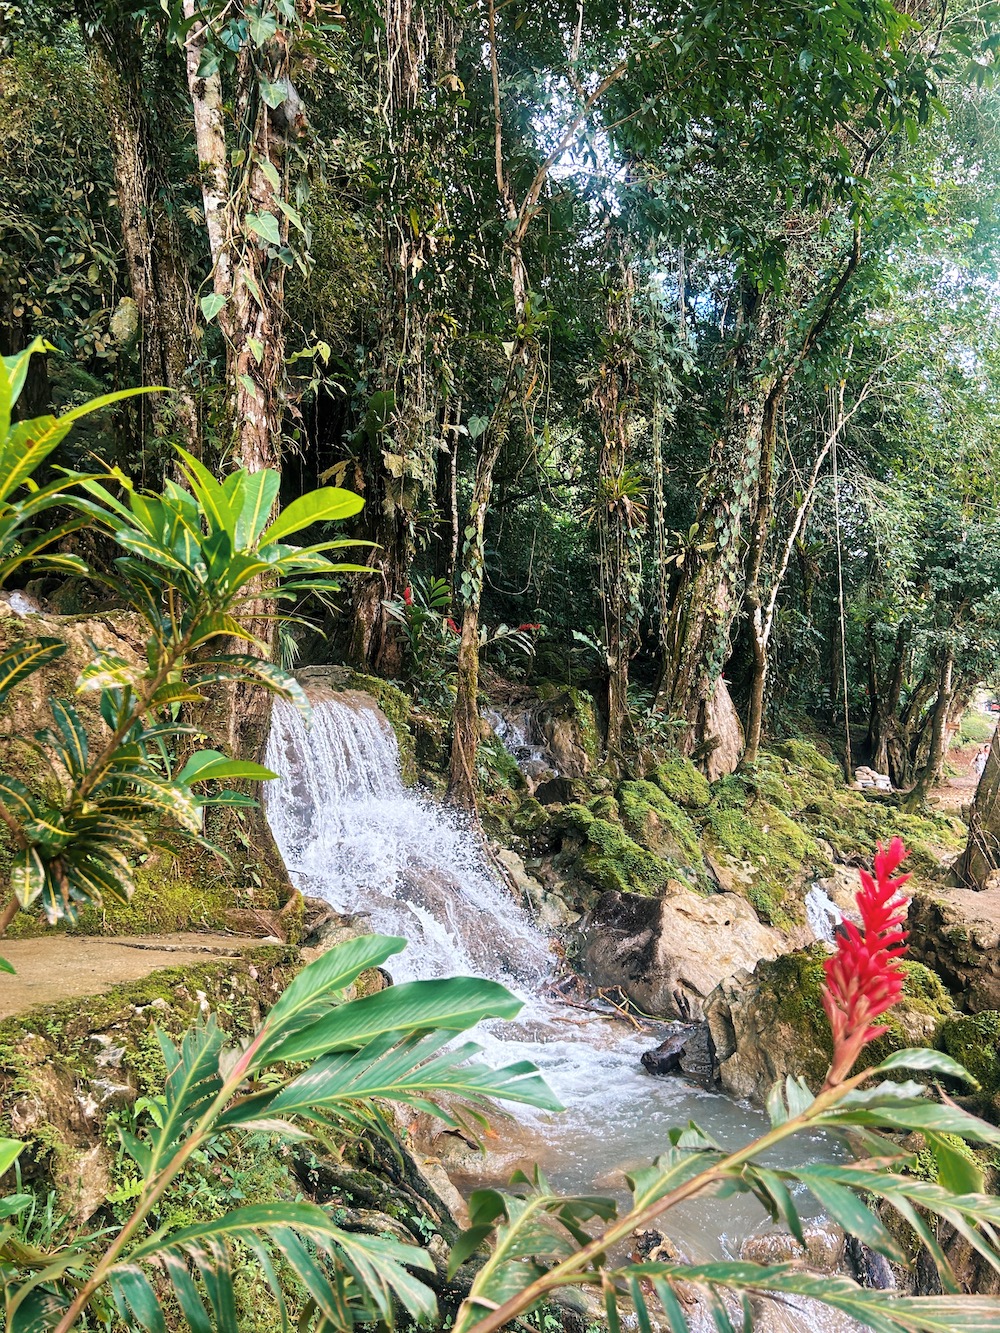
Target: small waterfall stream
350, 832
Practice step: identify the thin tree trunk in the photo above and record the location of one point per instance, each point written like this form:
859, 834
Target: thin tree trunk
932, 770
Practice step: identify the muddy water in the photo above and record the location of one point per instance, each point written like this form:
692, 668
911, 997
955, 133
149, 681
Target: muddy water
351, 833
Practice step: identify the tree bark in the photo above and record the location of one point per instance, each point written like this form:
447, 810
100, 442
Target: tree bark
249, 277
982, 851
932, 769
151, 243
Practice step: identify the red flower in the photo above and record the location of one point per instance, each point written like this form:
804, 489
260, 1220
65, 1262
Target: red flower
523, 627
408, 595
862, 979
452, 626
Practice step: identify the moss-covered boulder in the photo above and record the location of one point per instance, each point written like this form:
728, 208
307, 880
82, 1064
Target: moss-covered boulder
660, 824
772, 1024
974, 1041
608, 858
677, 777
758, 850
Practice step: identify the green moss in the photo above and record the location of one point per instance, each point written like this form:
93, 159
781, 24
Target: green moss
791, 987
804, 755
682, 782
772, 852
610, 859
659, 824
974, 1041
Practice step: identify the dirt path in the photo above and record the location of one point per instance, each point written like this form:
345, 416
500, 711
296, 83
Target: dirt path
57, 967
957, 792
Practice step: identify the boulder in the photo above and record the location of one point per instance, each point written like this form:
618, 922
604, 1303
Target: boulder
956, 932
769, 1024
666, 1058
668, 953
823, 1252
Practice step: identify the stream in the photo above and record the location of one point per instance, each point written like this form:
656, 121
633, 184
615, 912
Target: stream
351, 833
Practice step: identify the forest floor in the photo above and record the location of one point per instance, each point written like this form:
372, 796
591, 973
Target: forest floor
56, 967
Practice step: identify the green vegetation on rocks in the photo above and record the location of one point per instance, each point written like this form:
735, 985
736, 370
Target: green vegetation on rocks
974, 1041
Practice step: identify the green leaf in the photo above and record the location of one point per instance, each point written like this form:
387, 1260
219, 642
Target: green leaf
453, 1004
6, 967
957, 1172
325, 505
211, 766
924, 1059
265, 225
211, 305
10, 1151
27, 876
24, 659
273, 94
848, 1211
320, 985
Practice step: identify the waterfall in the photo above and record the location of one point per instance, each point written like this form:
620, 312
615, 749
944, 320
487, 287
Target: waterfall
350, 832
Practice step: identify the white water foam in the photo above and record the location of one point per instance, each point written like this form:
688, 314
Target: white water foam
350, 832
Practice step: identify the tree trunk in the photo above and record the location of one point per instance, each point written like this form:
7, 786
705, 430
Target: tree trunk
151, 243
982, 851
618, 514
704, 606
249, 278
931, 771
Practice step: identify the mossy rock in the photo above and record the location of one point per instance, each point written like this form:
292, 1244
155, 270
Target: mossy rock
610, 860
768, 854
678, 778
790, 989
974, 1041
804, 755
658, 823
58, 1082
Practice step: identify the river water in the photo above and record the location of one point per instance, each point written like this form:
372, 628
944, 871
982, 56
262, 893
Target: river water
351, 833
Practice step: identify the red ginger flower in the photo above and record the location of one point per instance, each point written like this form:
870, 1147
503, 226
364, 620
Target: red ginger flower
523, 627
408, 595
452, 626
862, 979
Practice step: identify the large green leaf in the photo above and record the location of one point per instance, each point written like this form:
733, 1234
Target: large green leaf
412, 1072
21, 661
325, 505
211, 765
10, 1151
452, 1004
321, 984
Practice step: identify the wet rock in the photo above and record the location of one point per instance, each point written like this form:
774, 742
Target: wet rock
666, 1058
869, 1267
548, 909
667, 954
824, 1247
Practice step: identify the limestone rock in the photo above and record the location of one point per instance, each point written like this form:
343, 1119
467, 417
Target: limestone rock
670, 953
770, 1024
548, 909
824, 1248
956, 933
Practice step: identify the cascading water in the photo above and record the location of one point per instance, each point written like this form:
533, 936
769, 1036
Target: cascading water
350, 832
